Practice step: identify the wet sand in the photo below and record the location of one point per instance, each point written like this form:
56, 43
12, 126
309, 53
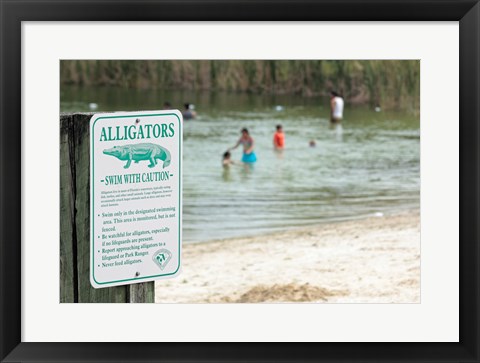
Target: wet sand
372, 260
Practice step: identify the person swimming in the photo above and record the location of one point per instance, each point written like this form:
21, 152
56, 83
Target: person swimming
188, 113
227, 160
248, 143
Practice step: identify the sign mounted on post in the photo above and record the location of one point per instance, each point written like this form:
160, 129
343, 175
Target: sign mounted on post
135, 197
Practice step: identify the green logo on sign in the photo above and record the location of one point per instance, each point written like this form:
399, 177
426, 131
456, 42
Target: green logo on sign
162, 257
139, 152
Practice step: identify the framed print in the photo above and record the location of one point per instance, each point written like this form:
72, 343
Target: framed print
251, 181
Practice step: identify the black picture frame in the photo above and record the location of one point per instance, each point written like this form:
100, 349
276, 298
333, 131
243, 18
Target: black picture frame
13, 12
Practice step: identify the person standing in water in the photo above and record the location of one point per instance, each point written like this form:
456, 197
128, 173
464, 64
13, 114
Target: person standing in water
336, 108
247, 141
279, 138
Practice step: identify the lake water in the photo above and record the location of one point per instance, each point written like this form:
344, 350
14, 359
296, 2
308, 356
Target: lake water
373, 167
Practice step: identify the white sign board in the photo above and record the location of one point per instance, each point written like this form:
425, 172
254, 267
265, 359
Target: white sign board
135, 197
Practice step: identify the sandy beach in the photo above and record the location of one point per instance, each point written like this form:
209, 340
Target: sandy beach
372, 260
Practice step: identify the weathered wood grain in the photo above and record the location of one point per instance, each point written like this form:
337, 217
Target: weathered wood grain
142, 292
76, 198
67, 198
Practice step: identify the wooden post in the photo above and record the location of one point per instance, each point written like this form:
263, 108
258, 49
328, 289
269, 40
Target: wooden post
75, 222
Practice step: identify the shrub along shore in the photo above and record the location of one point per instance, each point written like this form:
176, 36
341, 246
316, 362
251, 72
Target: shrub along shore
392, 84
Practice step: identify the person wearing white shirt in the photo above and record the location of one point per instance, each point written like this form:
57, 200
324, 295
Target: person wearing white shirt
336, 108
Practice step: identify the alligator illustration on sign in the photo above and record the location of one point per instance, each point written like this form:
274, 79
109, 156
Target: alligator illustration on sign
139, 152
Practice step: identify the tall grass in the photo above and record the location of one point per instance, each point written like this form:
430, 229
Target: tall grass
389, 83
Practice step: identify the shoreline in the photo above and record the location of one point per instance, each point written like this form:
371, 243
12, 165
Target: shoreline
368, 260
316, 224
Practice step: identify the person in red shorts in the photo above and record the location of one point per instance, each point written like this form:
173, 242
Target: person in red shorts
279, 138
